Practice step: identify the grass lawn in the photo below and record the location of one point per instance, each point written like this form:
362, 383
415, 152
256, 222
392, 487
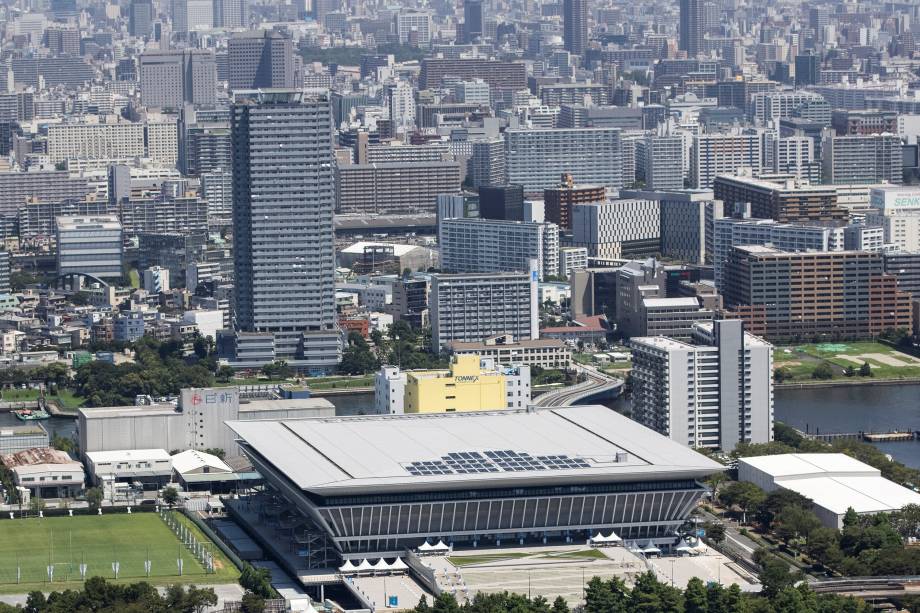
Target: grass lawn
65, 397
487, 557
590, 554
801, 360
98, 541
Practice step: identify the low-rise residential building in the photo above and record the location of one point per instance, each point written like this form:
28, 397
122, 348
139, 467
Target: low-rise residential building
471, 383
45, 472
504, 349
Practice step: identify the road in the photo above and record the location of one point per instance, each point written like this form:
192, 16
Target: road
595, 382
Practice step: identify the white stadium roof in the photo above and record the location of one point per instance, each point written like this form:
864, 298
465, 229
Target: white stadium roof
460, 450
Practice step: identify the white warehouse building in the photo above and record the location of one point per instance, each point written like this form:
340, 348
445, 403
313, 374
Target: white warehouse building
835, 482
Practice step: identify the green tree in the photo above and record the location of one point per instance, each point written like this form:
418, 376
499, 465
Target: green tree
560, 605
225, 373
278, 369
776, 501
824, 547
170, 495
823, 371
696, 597
94, 497
252, 603
782, 374
36, 504
715, 531
746, 496
865, 370
775, 576
62, 443
793, 523
257, 581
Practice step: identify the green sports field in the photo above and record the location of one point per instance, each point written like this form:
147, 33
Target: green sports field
98, 541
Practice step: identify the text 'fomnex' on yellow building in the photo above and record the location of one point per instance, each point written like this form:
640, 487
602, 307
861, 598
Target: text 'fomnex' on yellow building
470, 384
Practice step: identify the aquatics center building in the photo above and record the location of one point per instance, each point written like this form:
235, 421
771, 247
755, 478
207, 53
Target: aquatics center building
376, 485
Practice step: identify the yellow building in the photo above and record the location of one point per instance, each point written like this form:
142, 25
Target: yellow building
465, 387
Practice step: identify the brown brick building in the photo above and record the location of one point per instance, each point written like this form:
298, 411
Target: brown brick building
787, 203
799, 295
558, 200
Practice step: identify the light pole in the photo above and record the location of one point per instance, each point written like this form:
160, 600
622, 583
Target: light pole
672, 572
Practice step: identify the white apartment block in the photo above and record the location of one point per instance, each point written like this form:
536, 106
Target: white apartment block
610, 229
158, 141
537, 158
767, 106
572, 258
473, 307
795, 155
660, 161
389, 391
716, 392
723, 154
897, 211
495, 245
414, 24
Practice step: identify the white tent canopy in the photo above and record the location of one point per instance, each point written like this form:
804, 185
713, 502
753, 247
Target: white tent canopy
347, 567
440, 546
381, 565
398, 564
364, 566
426, 546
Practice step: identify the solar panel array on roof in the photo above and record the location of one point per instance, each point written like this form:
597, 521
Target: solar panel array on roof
471, 462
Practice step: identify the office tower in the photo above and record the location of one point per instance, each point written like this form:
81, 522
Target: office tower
715, 392
786, 201
691, 27
205, 148
490, 245
4, 271
141, 16
501, 202
617, 229
414, 27
686, 222
472, 307
62, 41
395, 188
575, 26
871, 158
537, 158
283, 201
231, 13
190, 15
472, 20
558, 200
818, 19
575, 94
807, 70
90, 246
897, 211
660, 161
261, 59
486, 165
169, 79
790, 295
473, 92
723, 154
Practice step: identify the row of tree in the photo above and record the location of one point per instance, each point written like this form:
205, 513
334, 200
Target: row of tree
100, 596
649, 595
